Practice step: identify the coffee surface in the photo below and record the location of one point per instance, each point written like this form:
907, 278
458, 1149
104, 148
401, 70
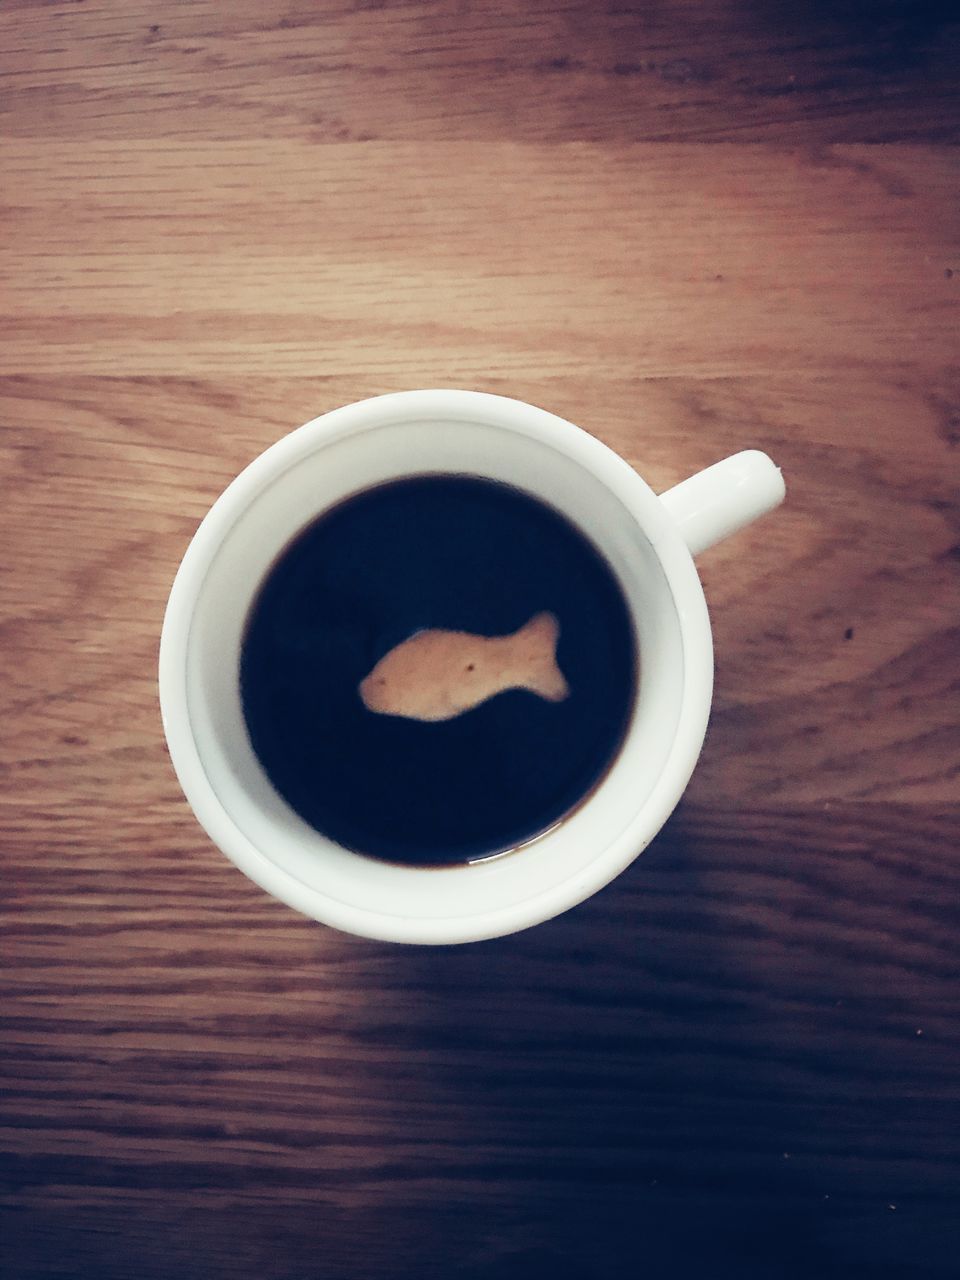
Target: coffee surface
465, 560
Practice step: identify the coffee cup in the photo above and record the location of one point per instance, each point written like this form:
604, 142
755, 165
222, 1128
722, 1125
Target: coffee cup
649, 541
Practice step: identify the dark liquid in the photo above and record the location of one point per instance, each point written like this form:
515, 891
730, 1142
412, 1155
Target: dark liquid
446, 552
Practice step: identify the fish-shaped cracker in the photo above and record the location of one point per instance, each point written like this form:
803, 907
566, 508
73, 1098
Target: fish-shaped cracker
436, 675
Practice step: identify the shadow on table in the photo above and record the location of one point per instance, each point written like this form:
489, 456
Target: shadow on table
632, 1088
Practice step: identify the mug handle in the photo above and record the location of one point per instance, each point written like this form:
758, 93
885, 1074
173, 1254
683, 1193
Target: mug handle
724, 498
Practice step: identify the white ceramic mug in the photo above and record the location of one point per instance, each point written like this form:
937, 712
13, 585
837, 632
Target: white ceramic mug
649, 541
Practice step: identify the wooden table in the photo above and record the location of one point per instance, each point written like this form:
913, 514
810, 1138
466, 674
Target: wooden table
690, 227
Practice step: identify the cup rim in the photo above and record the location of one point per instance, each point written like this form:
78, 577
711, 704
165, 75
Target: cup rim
683, 582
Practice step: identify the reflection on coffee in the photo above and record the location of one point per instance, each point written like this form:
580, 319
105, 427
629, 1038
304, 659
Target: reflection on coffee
438, 669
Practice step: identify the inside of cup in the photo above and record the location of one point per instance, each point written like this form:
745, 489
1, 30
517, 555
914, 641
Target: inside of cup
281, 501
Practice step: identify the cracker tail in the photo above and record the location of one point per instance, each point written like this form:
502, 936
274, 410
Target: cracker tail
540, 636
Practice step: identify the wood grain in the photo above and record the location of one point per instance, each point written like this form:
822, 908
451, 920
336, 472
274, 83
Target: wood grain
691, 228
676, 70
169, 258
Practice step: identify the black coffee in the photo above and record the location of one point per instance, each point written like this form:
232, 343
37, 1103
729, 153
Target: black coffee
458, 558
